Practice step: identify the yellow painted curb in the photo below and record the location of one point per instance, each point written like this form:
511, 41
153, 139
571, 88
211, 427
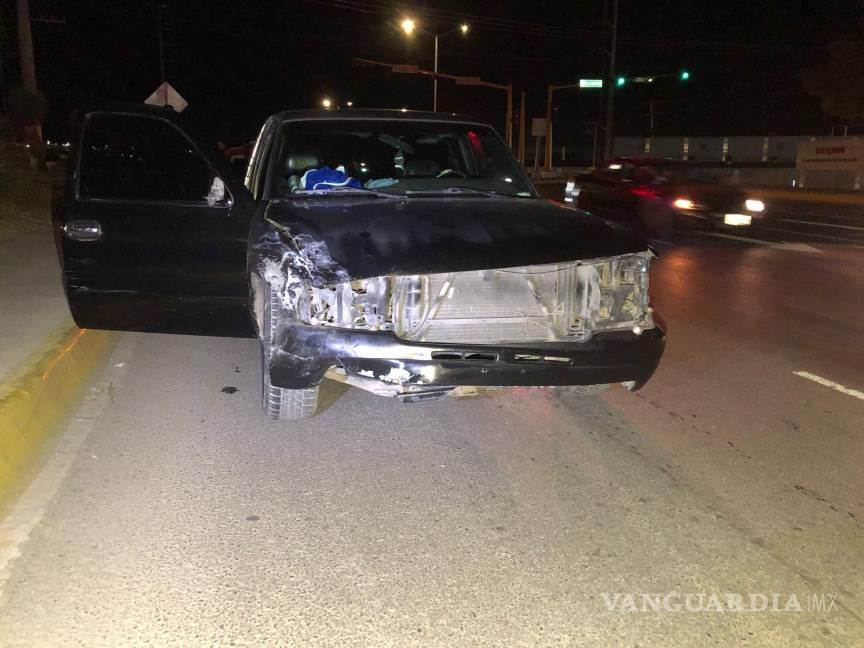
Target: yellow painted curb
41, 394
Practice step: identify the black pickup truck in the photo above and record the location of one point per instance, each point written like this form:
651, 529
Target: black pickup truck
403, 253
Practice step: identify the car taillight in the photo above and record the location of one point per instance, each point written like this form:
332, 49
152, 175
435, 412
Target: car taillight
644, 192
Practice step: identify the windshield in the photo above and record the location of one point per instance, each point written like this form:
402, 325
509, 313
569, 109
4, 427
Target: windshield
395, 157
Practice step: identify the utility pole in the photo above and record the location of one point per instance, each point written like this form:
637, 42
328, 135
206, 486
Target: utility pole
508, 135
161, 46
595, 126
651, 117
25, 46
547, 158
32, 131
610, 90
521, 154
435, 79
164, 89
2, 86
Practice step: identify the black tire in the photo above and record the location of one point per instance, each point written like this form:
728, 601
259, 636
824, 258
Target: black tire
280, 403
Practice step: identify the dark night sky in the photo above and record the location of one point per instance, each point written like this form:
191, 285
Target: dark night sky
237, 62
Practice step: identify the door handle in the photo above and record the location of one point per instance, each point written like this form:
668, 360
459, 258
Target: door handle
83, 230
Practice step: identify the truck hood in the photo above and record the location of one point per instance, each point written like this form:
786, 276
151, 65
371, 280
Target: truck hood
371, 236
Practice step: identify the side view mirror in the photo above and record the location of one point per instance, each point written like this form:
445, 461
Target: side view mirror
219, 194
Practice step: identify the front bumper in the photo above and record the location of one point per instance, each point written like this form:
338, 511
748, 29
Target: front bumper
304, 353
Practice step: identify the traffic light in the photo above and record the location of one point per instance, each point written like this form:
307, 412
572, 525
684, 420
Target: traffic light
685, 75
620, 81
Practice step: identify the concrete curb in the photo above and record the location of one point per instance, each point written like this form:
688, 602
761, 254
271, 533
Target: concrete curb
42, 392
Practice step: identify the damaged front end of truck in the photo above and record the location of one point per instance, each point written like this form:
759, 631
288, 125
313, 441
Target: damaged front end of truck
417, 335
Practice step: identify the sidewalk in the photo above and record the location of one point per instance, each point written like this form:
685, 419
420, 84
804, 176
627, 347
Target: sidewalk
45, 360
32, 304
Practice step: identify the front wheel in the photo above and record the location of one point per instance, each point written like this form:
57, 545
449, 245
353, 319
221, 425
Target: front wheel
278, 402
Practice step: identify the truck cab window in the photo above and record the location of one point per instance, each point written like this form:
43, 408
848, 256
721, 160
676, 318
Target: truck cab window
129, 157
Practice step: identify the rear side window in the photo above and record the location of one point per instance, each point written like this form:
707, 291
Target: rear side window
128, 157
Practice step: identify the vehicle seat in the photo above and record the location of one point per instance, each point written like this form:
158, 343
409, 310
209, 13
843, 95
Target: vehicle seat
298, 162
421, 167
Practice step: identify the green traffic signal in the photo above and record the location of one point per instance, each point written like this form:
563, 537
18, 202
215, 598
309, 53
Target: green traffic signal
685, 75
620, 81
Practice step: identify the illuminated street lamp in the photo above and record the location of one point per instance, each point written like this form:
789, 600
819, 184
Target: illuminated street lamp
409, 26
349, 103
326, 103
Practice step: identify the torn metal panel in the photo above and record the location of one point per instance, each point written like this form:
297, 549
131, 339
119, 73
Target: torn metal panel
558, 302
290, 264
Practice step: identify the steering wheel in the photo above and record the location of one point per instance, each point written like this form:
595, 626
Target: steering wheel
446, 173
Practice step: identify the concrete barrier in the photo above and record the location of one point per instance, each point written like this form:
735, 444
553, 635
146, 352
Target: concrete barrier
38, 396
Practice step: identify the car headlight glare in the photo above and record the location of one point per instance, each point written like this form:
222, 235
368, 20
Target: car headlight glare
754, 205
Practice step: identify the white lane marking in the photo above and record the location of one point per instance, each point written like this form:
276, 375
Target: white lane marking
779, 245
830, 384
799, 233
804, 222
796, 247
737, 238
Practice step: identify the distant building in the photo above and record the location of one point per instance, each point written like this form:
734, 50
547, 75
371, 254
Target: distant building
780, 150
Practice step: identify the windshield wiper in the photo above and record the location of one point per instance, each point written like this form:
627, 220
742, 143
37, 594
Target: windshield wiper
345, 191
454, 190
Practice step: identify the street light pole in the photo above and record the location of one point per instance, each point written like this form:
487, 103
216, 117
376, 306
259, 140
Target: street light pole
408, 26
610, 90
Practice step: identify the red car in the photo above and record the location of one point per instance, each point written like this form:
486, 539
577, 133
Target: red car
656, 196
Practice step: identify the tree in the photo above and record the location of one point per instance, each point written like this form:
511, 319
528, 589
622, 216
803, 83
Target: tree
838, 80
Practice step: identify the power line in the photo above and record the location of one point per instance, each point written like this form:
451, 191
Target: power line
383, 7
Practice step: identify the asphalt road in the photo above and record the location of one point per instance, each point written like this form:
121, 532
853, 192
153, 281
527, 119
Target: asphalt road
172, 513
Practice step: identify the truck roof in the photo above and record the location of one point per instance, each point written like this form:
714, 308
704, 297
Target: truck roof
374, 113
